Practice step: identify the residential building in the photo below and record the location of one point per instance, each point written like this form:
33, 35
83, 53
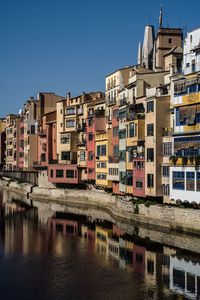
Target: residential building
2, 142
12, 142
71, 140
185, 103
96, 122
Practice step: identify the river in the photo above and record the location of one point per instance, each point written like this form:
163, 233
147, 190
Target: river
74, 256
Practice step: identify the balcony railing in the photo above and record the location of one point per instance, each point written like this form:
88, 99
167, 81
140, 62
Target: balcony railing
80, 111
185, 160
81, 127
99, 113
113, 160
123, 102
111, 101
168, 131
53, 161
81, 143
42, 132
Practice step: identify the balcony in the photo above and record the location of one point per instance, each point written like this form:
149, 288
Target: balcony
81, 143
81, 127
113, 160
167, 131
53, 161
42, 132
111, 101
101, 136
123, 102
185, 161
80, 111
99, 113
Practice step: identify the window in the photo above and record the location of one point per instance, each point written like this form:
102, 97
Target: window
150, 154
140, 165
65, 155
129, 178
132, 129
113, 171
59, 173
82, 155
101, 176
139, 183
70, 173
115, 113
61, 124
70, 123
190, 181
90, 171
178, 178
43, 157
90, 122
90, 155
101, 165
122, 134
150, 129
198, 182
65, 139
150, 180
170, 40
90, 136
101, 150
150, 106
32, 129
51, 173
115, 131
167, 149
122, 155
165, 171
122, 177
70, 111
116, 150
166, 189
192, 88
150, 266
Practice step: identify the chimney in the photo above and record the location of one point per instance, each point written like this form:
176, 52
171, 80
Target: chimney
68, 95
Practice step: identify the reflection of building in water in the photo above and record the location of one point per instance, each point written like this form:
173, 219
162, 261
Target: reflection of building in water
185, 277
10, 208
167, 252
125, 252
87, 232
113, 247
101, 239
139, 259
66, 226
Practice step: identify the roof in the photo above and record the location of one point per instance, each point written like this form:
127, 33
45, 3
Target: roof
121, 69
174, 50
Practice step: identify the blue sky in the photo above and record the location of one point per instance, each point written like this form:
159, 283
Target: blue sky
70, 45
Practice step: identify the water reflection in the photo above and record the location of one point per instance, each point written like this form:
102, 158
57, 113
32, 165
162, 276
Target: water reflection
74, 257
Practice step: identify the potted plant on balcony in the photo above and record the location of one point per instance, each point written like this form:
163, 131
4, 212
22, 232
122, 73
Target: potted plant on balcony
197, 161
174, 159
184, 160
191, 159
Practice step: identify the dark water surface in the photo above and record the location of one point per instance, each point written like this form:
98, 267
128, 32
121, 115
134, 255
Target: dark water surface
73, 257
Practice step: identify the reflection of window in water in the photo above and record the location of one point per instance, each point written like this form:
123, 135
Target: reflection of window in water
190, 283
150, 266
166, 260
179, 278
101, 237
139, 258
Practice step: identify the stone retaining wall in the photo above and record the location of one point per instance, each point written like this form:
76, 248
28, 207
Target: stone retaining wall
156, 215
